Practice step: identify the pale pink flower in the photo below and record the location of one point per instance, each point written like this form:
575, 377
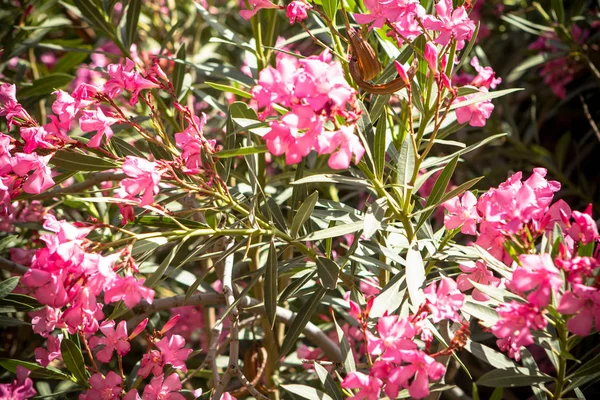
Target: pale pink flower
297, 10
342, 145
584, 303
130, 290
584, 229
173, 351
462, 212
104, 388
45, 320
45, 356
190, 141
125, 77
10, 107
539, 276
444, 300
480, 274
97, 121
514, 326
486, 77
40, 179
144, 178
161, 388
65, 106
395, 336
35, 137
257, 6
420, 369
476, 114
369, 387
21, 388
114, 339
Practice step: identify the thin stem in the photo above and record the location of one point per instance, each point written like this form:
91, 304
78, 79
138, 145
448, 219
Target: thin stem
562, 363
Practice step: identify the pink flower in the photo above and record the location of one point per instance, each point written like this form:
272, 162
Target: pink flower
463, 213
173, 351
104, 388
444, 301
258, 5
578, 267
143, 179
395, 338
19, 389
584, 303
538, 275
421, 367
584, 229
114, 339
342, 145
402, 72
369, 387
480, 274
297, 10
190, 140
476, 114
486, 77
10, 107
161, 388
513, 328
153, 362
452, 24
41, 177
128, 79
52, 352
97, 121
45, 320
431, 56
65, 106
130, 290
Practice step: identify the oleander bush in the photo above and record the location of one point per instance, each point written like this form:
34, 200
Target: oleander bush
306, 200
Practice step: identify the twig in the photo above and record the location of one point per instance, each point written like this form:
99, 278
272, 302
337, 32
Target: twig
586, 111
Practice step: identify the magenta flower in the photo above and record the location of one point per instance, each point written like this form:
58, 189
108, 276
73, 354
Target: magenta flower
45, 356
342, 145
191, 142
369, 387
152, 361
463, 213
104, 388
45, 320
395, 337
173, 352
297, 10
10, 107
584, 303
444, 300
584, 229
486, 77
480, 274
19, 389
143, 179
114, 339
130, 290
431, 56
126, 78
65, 106
578, 267
161, 388
97, 121
421, 367
40, 179
35, 137
539, 276
257, 6
514, 326
476, 114
451, 23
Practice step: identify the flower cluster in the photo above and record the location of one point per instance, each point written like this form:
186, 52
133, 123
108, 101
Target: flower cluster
315, 92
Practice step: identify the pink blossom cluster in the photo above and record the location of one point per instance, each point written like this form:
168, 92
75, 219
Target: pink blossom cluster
315, 93
399, 363
21, 388
67, 279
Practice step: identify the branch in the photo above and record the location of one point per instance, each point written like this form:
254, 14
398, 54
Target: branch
12, 266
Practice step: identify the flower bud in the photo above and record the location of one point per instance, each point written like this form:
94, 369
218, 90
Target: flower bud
139, 329
170, 324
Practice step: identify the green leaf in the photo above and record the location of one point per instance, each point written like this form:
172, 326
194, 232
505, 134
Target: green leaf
327, 382
490, 356
37, 371
328, 272
230, 89
131, 25
273, 211
559, 10
69, 61
332, 178
157, 275
20, 302
591, 366
95, 15
304, 213
389, 299
8, 285
223, 30
512, 377
306, 392
271, 282
241, 151
330, 7
415, 276
346, 350
529, 362
483, 97
125, 148
467, 50
46, 85
364, 129
10, 321
487, 315
406, 162
301, 319
72, 161
380, 146
435, 161
179, 70
374, 217
335, 231
74, 361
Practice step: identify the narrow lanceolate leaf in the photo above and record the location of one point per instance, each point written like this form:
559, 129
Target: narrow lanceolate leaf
230, 89
157, 275
328, 272
335, 231
327, 382
46, 85
94, 14
271, 284
72, 161
37, 371
179, 70
301, 320
512, 377
483, 97
347, 355
307, 392
415, 276
241, 151
304, 213
331, 7
405, 166
490, 356
389, 299
73, 359
379, 150
332, 178
374, 217
131, 24
8, 285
